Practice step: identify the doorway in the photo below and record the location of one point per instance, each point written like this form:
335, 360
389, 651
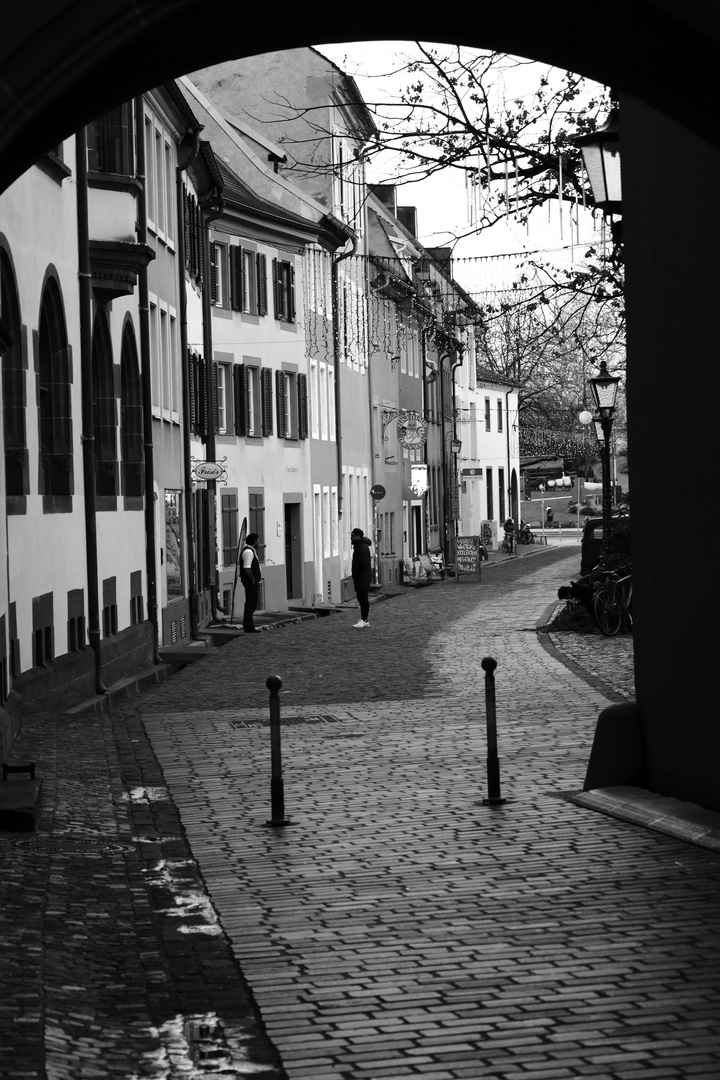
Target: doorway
293, 553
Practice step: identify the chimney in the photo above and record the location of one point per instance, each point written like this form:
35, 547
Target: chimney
386, 194
407, 216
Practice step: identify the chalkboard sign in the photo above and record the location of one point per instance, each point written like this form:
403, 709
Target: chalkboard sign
467, 556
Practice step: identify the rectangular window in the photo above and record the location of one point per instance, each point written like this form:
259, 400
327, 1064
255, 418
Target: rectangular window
256, 519
284, 290
324, 401
158, 166
229, 510
489, 493
501, 493
249, 283
331, 403
254, 402
499, 416
164, 361
173, 545
110, 142
314, 399
150, 190
487, 414
169, 173
292, 405
222, 390
219, 293
334, 518
326, 522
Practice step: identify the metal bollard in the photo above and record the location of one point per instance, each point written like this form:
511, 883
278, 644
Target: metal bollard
277, 792
494, 798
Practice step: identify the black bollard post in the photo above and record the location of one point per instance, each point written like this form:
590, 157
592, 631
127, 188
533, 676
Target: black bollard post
494, 798
277, 791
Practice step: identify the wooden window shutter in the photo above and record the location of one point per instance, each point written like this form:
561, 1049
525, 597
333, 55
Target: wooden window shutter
302, 407
276, 291
201, 384
262, 293
240, 399
213, 274
267, 395
186, 230
290, 312
280, 394
233, 253
241, 283
213, 375
191, 390
200, 244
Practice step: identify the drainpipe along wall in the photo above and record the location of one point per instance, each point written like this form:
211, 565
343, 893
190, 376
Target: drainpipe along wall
88, 418
337, 351
182, 167
148, 454
212, 206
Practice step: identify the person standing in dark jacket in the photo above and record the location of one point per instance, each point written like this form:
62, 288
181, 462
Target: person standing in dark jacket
361, 575
250, 576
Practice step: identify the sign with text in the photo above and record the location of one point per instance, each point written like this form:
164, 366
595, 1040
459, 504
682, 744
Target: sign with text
467, 556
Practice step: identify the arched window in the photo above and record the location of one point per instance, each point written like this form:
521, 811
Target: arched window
131, 417
13, 387
104, 410
55, 422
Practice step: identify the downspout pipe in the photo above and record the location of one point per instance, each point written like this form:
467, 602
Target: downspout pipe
213, 206
88, 418
334, 278
507, 440
145, 359
453, 368
182, 167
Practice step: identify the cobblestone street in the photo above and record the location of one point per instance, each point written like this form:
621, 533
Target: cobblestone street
157, 927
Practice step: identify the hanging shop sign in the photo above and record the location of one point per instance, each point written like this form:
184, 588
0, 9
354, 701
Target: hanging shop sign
412, 431
203, 471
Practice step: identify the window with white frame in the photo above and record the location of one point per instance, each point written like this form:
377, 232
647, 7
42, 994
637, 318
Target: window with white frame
327, 540
159, 179
487, 414
254, 400
323, 401
314, 399
499, 414
334, 518
222, 375
331, 403
219, 296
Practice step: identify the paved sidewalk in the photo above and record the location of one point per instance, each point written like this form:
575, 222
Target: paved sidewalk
157, 927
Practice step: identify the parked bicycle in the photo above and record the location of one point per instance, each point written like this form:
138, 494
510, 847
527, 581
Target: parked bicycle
526, 535
612, 601
508, 544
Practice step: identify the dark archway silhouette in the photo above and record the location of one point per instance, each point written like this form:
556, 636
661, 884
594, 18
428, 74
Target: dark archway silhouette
63, 63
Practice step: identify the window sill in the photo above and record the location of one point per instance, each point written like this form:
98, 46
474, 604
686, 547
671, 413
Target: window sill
114, 182
57, 504
54, 167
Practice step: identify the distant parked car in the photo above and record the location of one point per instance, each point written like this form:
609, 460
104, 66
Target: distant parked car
592, 539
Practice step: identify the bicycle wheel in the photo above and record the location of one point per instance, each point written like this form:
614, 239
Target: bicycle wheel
607, 610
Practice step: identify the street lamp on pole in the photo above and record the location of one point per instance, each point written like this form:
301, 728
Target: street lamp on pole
604, 387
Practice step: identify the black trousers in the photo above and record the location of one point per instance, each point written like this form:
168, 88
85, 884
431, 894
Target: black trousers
363, 596
252, 594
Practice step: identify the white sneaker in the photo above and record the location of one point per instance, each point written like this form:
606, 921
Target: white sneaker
360, 625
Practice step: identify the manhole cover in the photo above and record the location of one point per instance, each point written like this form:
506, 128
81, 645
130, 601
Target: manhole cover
74, 845
264, 721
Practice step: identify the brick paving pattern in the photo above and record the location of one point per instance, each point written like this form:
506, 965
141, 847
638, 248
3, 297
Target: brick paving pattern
399, 927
